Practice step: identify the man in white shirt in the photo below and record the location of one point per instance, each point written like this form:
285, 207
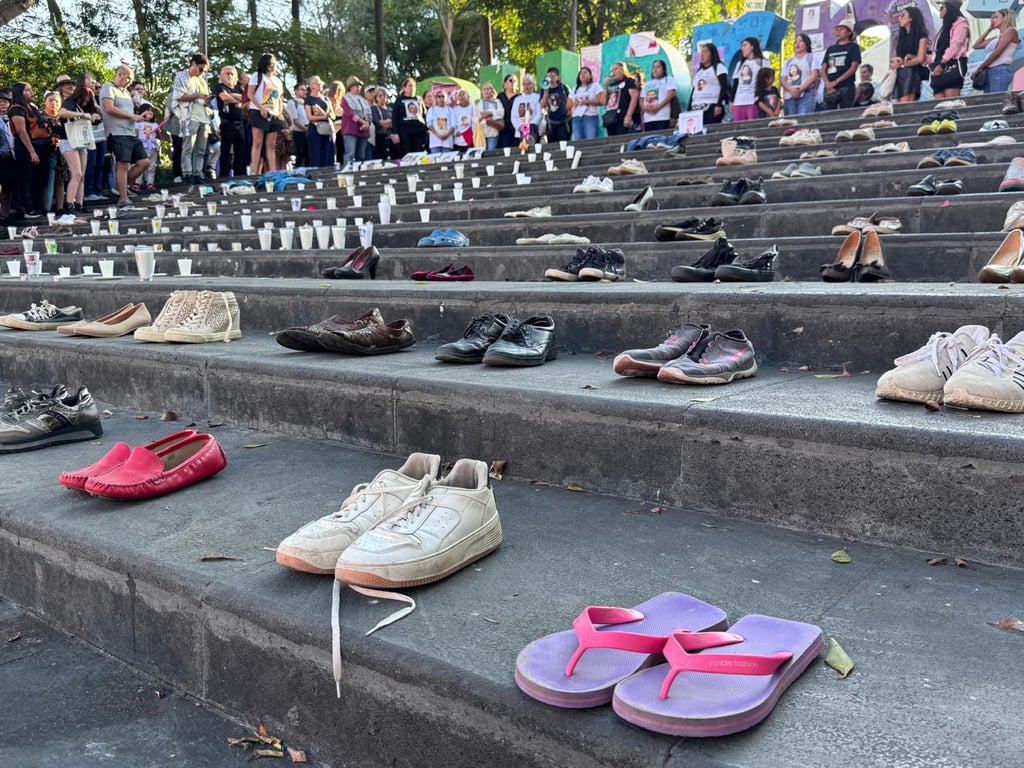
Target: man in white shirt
191, 95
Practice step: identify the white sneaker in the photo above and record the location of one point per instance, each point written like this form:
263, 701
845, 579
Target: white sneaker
586, 184
992, 378
1014, 217
603, 185
920, 375
316, 546
446, 526
628, 167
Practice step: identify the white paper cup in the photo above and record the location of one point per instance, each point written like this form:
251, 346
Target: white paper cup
338, 235
508, 151
290, 224
113, 226
475, 181
14, 267
424, 214
87, 249
175, 247
549, 165
51, 246
211, 208
213, 246
164, 194
26, 245
156, 225
411, 181
184, 266
357, 201
193, 247
87, 270
133, 231
301, 187
111, 249
437, 187
341, 221
531, 157
107, 267
296, 203
12, 232
323, 237
457, 195
182, 210
112, 212
236, 246
286, 234
266, 236
570, 150
366, 234
460, 170
489, 169
161, 210
64, 271
421, 196
319, 185
94, 225
145, 262
384, 209
306, 238
246, 220
515, 167
33, 264
51, 219
332, 203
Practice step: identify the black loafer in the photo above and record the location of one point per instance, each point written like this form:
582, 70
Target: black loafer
527, 342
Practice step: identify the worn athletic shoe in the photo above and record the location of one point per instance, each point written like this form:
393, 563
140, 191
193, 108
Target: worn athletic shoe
482, 331
647, 362
373, 339
919, 376
760, 269
308, 338
442, 527
720, 358
707, 229
316, 546
48, 420
42, 317
703, 269
604, 264
992, 378
570, 272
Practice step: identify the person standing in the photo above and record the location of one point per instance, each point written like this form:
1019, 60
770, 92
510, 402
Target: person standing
583, 103
744, 80
439, 124
191, 96
659, 93
799, 78
510, 89
31, 151
381, 114
620, 98
999, 51
79, 105
462, 121
355, 122
555, 99
320, 119
526, 112
710, 85
951, 44
296, 108
408, 126
228, 94
839, 67
266, 106
489, 115
910, 54
119, 119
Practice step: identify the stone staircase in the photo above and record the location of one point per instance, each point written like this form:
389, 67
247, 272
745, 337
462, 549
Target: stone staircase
782, 465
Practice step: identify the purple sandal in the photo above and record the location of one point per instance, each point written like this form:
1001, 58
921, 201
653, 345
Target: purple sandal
580, 667
723, 691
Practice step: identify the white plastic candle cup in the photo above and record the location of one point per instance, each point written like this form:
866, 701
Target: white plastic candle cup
211, 208
411, 180
107, 267
338, 235
193, 247
14, 267
156, 225
64, 271
246, 220
384, 209
366, 234
515, 167
184, 266
175, 247
546, 156
358, 220
286, 237
111, 249
319, 185
87, 249
26, 245
460, 170
306, 238
531, 157
112, 213
213, 246
301, 187
357, 201
549, 165
88, 270
33, 264
51, 218
437, 187
508, 151
570, 150
341, 221
296, 203
457, 194
161, 210
475, 181
332, 203
113, 226
290, 224
265, 236
145, 261
489, 169
51, 246
424, 214
421, 196
236, 246
133, 230
164, 194
323, 237
12, 232
182, 209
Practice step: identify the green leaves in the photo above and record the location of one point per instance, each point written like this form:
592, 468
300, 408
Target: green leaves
838, 659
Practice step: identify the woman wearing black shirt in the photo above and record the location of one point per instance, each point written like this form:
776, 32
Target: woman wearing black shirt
407, 125
509, 91
32, 147
910, 55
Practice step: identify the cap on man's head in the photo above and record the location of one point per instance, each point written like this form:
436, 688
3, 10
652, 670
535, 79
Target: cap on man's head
553, 71
848, 23
62, 80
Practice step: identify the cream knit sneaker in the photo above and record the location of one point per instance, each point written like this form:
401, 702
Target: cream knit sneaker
992, 378
919, 376
316, 546
447, 526
177, 309
215, 317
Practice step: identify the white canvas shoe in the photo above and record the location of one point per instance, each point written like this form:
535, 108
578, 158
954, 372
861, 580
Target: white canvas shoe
316, 546
919, 376
991, 379
444, 527
586, 184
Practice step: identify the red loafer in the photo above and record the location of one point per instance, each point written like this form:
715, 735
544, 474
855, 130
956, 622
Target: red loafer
147, 474
117, 456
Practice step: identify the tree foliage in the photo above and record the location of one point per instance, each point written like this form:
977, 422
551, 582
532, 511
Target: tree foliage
39, 63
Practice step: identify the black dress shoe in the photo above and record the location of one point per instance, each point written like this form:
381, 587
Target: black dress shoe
527, 342
482, 332
363, 265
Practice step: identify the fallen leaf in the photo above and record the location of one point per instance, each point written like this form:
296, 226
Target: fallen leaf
142, 417
938, 561
600, 353
589, 386
838, 659
657, 510
106, 413
497, 467
270, 549
540, 482
703, 399
265, 737
191, 425
255, 445
447, 466
798, 330
784, 370
804, 368
258, 753
14, 637
1015, 625
842, 556
961, 563
297, 755
573, 487
945, 204
931, 405
1002, 287
490, 621
158, 694
205, 558
214, 424
168, 416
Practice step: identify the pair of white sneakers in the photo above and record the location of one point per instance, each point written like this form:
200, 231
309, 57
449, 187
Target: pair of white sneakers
969, 368
404, 528
595, 184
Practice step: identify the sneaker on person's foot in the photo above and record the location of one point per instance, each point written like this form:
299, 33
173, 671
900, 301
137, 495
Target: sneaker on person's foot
51, 421
444, 527
919, 376
647, 362
722, 357
991, 379
316, 546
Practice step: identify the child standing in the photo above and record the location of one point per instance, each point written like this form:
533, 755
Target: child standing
766, 93
148, 132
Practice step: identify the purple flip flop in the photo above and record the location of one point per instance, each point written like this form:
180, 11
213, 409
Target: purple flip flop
579, 668
725, 690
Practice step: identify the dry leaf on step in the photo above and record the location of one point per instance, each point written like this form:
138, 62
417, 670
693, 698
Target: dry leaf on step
842, 556
142, 417
838, 659
938, 561
255, 445
933, 406
1010, 623
297, 755
207, 558
573, 487
589, 386
168, 416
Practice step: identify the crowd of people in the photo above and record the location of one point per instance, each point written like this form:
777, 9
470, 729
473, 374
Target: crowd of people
85, 140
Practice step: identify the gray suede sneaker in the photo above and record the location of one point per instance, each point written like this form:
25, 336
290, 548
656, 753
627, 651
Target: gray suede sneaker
647, 362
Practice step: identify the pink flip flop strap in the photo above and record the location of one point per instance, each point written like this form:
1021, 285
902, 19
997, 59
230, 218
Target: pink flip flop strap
679, 652
589, 637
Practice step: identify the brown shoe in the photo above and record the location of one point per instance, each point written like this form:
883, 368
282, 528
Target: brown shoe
308, 338
120, 323
377, 339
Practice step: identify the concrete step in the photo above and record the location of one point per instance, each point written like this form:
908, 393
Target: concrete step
897, 474
252, 638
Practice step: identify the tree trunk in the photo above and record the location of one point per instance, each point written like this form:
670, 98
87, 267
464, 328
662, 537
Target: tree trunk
144, 49
299, 62
60, 31
253, 16
487, 41
378, 28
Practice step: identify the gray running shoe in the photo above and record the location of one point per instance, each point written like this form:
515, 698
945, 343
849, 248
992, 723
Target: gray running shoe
719, 359
647, 362
48, 420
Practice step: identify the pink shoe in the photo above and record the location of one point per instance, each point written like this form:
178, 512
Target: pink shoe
146, 474
117, 456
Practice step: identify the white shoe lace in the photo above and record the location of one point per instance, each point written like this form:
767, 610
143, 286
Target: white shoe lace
996, 357
43, 311
939, 342
200, 312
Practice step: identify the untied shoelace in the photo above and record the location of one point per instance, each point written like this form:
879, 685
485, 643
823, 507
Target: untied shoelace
938, 342
995, 357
